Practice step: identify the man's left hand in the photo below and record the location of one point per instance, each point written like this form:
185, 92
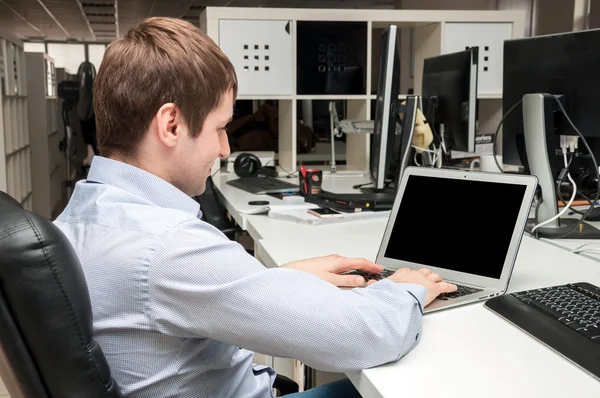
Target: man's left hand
330, 267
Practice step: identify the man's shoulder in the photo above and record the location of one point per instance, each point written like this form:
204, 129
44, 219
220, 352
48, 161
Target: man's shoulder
116, 209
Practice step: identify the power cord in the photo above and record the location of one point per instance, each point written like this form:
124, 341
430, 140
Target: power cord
566, 208
582, 249
559, 184
496, 135
587, 147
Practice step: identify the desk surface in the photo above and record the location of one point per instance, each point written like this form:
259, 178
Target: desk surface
236, 200
466, 351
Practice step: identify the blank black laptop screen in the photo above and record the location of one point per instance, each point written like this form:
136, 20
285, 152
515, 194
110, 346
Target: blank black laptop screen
456, 224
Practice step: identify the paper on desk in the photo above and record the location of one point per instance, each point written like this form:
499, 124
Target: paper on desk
281, 208
301, 216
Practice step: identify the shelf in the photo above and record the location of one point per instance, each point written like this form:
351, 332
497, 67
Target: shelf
16, 151
311, 40
489, 96
22, 202
401, 96
264, 97
332, 97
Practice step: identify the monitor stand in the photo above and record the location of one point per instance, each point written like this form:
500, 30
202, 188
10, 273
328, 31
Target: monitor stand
594, 215
585, 230
413, 103
384, 195
371, 190
538, 121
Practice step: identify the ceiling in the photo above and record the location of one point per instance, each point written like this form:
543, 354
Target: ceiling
105, 20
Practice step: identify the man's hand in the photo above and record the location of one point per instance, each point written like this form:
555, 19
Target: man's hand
329, 269
424, 277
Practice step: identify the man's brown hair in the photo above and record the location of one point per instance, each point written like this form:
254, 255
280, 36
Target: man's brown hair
160, 60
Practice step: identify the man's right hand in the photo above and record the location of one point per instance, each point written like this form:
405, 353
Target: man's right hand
424, 277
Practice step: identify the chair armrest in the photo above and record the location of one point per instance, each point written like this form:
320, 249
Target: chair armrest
285, 385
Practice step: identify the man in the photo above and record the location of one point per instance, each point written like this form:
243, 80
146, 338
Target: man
172, 298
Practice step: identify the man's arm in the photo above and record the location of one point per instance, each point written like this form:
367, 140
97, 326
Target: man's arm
202, 284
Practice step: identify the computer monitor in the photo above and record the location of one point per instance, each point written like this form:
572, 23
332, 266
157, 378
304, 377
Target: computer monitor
386, 111
563, 64
449, 91
539, 71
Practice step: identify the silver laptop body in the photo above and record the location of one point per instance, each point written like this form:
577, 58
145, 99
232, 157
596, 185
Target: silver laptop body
475, 209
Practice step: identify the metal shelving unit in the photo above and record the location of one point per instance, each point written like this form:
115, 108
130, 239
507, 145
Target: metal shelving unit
15, 150
47, 163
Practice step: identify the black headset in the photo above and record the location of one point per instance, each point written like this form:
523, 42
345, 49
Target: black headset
248, 165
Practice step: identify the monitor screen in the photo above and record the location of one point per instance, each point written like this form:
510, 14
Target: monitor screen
384, 127
450, 96
565, 64
447, 223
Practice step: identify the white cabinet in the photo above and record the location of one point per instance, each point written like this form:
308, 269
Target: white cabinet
262, 54
489, 37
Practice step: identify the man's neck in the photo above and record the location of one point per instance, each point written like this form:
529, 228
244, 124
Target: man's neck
140, 163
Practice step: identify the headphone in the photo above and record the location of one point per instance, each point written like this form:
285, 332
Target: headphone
248, 165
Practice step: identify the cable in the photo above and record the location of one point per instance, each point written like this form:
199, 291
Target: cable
578, 249
415, 159
566, 208
434, 151
496, 136
289, 175
559, 183
587, 147
538, 201
358, 186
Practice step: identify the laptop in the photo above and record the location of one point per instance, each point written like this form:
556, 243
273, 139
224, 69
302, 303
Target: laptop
466, 226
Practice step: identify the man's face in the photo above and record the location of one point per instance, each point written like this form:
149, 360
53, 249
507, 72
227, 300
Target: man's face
197, 155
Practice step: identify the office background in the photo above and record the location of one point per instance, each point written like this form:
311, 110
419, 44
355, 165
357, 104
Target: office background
58, 35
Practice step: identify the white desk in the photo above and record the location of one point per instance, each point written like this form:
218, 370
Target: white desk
236, 200
466, 351
261, 227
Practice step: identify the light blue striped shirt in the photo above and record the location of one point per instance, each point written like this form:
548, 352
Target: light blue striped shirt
174, 300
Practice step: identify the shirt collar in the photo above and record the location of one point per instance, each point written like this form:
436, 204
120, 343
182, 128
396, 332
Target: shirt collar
141, 183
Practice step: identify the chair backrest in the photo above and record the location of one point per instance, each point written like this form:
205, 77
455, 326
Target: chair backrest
46, 334
213, 211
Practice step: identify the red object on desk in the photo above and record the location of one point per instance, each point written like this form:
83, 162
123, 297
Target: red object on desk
303, 171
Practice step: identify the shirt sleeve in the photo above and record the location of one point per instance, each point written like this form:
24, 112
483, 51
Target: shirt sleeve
203, 285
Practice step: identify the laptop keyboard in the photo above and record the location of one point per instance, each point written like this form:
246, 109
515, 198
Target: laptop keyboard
461, 289
369, 277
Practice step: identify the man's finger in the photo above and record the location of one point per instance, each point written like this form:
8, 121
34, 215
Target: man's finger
346, 280
372, 281
434, 277
359, 264
425, 271
445, 287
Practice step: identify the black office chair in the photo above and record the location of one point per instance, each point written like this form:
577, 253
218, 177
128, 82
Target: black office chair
213, 211
47, 347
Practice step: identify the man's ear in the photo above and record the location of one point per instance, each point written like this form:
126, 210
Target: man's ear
168, 120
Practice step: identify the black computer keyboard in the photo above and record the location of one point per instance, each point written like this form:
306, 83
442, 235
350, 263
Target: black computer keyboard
566, 318
263, 185
461, 289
